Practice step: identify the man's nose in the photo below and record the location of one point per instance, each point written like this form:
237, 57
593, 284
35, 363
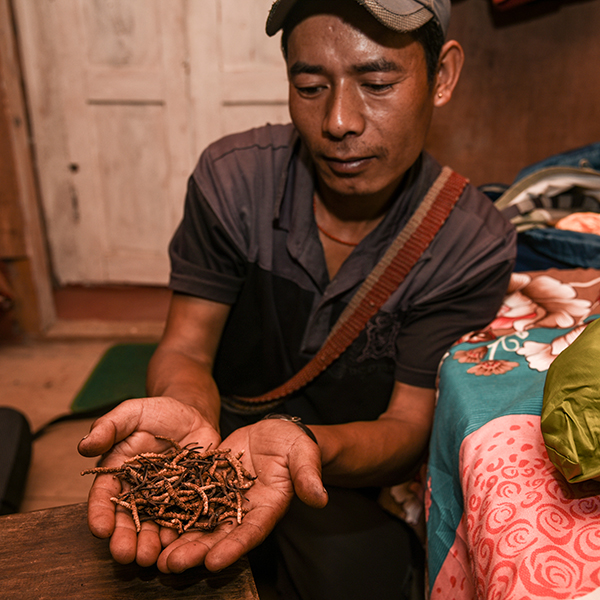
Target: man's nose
344, 113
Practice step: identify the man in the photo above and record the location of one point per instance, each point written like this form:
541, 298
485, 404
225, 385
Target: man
282, 224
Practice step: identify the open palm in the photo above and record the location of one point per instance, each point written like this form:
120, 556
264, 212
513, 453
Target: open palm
129, 430
284, 462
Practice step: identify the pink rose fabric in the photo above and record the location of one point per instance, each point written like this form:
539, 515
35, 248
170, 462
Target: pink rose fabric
525, 532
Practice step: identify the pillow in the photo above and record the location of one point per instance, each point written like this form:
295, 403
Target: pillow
571, 407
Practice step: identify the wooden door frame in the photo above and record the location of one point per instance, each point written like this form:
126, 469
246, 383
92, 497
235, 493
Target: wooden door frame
23, 248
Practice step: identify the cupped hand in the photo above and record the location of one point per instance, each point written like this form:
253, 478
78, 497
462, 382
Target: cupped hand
124, 432
285, 462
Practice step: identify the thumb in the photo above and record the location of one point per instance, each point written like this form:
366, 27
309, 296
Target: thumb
305, 471
99, 440
111, 428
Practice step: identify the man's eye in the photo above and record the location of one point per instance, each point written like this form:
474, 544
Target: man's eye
308, 91
378, 87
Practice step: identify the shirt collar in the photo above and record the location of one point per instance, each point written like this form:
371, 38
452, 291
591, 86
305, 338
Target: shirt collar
294, 214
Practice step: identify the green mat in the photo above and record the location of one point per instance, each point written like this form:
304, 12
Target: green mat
119, 375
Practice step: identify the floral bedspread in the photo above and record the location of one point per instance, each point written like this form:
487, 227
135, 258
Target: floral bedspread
501, 521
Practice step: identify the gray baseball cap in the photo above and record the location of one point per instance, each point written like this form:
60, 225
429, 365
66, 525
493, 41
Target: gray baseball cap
399, 15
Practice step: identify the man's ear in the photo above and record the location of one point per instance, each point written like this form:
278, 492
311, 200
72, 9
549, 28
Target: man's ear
450, 65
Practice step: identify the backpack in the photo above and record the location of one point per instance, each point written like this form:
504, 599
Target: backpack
16, 442
540, 196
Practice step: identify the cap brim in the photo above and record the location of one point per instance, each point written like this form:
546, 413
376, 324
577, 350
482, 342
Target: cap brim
279, 11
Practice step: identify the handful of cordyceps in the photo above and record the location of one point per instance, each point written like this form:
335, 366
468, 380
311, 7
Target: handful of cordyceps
183, 488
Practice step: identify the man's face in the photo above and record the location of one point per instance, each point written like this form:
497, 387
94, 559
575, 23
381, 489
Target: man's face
360, 99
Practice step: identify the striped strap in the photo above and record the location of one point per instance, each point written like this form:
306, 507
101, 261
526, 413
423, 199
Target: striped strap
387, 275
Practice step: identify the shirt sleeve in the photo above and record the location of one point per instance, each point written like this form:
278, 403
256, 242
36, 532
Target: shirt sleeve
429, 329
205, 262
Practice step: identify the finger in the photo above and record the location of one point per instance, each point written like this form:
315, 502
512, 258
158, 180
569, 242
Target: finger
190, 553
255, 527
184, 553
149, 545
123, 543
101, 509
161, 563
190, 549
167, 536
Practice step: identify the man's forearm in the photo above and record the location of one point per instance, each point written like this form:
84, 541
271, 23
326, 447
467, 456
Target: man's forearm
375, 453
173, 374
382, 452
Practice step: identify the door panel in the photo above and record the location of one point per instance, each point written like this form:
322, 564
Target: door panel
246, 85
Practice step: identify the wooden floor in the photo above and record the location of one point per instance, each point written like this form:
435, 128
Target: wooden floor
41, 376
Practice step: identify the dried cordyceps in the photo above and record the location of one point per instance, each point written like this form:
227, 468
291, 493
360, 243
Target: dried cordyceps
183, 488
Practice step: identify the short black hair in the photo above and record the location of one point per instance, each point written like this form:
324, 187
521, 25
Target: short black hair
430, 36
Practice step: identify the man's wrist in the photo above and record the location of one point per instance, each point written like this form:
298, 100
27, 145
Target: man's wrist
296, 420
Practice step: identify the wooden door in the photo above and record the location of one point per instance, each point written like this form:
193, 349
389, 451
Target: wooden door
123, 96
238, 77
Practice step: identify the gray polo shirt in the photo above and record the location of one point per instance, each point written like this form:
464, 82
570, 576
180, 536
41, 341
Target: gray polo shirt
248, 238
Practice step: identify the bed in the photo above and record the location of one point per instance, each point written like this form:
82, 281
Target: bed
501, 521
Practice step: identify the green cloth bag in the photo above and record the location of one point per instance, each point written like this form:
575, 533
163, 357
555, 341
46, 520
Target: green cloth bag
571, 407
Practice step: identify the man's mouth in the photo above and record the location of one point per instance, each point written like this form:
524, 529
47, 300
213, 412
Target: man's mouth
349, 165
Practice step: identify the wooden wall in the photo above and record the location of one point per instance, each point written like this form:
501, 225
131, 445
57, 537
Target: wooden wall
530, 87
23, 257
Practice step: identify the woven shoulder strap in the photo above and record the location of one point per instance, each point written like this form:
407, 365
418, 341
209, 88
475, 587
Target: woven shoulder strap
383, 280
